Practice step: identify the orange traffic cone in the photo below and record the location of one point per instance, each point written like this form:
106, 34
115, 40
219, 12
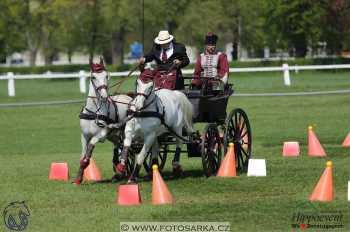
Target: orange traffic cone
314, 146
346, 142
228, 165
128, 194
324, 188
92, 172
160, 192
59, 171
291, 148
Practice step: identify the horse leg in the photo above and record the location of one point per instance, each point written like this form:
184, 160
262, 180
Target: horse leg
115, 160
148, 142
177, 169
129, 132
154, 154
85, 159
84, 145
154, 160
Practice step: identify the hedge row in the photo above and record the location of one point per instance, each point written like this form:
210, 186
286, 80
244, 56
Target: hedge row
78, 67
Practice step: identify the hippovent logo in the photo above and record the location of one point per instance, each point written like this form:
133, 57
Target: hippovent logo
329, 220
16, 216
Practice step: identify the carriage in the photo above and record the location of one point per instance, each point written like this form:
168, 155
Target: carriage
106, 116
221, 128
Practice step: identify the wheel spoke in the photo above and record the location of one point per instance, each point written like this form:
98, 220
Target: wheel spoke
245, 153
236, 120
232, 125
240, 117
238, 124
244, 134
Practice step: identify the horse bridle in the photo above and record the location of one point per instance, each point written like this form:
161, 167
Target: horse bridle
146, 96
98, 95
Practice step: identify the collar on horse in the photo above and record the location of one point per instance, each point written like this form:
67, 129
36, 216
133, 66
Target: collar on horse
142, 113
94, 116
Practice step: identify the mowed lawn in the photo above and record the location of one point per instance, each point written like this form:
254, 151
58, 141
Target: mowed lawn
33, 137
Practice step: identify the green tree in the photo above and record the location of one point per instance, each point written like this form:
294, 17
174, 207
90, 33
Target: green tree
68, 33
122, 19
336, 26
296, 22
21, 28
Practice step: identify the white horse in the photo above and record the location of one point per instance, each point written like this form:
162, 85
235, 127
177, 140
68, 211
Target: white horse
99, 111
155, 112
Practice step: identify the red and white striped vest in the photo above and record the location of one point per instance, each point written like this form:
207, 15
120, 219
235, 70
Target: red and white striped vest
209, 63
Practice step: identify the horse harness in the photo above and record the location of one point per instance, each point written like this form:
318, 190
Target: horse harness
154, 114
94, 115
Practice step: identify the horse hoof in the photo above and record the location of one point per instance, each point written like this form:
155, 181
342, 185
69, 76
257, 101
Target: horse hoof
132, 180
177, 171
77, 181
147, 177
116, 178
120, 168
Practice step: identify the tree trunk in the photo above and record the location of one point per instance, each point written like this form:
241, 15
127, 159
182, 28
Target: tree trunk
235, 42
32, 39
300, 45
69, 55
32, 57
46, 48
237, 45
118, 47
94, 30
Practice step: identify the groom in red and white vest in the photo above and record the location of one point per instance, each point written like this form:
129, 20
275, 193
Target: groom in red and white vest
211, 63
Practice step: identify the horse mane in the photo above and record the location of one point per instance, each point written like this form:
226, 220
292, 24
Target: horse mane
147, 75
97, 68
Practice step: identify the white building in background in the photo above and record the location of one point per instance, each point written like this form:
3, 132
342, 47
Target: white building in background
22, 59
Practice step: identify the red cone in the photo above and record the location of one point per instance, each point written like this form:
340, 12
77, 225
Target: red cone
228, 165
92, 172
291, 149
59, 171
160, 192
314, 146
324, 188
128, 194
346, 142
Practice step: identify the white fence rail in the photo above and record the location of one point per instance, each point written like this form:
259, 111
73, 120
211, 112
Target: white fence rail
82, 75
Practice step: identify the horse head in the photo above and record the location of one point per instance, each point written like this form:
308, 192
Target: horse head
144, 88
99, 78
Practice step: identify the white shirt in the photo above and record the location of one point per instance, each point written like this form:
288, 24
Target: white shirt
169, 51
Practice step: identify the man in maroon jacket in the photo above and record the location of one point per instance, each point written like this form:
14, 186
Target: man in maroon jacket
211, 63
170, 57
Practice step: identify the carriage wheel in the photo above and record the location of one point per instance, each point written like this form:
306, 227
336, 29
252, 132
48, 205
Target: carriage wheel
130, 163
211, 149
162, 155
237, 131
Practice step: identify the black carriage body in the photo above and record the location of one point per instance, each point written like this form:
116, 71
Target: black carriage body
209, 107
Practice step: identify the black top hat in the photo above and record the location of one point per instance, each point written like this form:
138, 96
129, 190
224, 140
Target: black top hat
211, 38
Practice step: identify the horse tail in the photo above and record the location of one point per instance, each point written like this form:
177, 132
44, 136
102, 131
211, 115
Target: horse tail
187, 109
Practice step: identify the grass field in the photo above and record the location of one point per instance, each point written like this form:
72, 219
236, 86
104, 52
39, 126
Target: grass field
33, 137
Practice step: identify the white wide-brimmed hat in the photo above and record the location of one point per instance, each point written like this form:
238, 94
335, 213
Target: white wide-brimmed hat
163, 37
